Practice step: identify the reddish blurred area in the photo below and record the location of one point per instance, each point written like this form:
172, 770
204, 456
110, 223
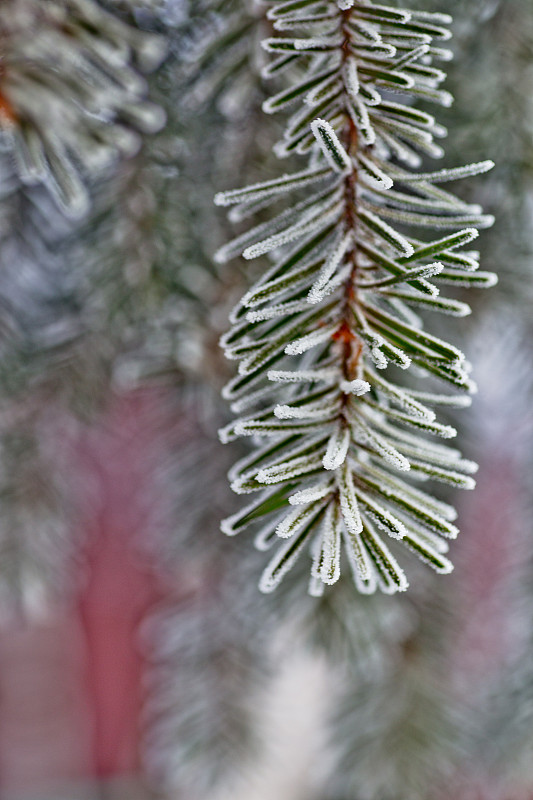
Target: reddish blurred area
72, 682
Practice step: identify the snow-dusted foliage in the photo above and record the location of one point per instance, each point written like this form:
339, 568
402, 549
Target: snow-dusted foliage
72, 94
323, 334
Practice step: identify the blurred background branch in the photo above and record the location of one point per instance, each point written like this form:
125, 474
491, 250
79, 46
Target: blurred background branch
137, 658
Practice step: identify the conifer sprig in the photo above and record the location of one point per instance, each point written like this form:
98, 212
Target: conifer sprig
339, 303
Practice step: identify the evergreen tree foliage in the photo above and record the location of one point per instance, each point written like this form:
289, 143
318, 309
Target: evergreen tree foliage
399, 728
108, 284
343, 295
71, 97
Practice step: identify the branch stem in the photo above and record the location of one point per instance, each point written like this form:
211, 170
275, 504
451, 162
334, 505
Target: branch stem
352, 345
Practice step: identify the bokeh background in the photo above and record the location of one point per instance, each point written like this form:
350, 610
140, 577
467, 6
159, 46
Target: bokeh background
137, 659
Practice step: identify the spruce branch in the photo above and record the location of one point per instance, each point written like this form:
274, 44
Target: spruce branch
337, 304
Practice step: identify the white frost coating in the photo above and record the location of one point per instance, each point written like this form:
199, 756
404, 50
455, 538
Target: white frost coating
322, 82
442, 53
426, 271
247, 467
428, 554
316, 587
249, 400
433, 16
288, 21
325, 89
231, 527
313, 43
340, 277
271, 279
449, 476
362, 569
437, 529
414, 420
238, 486
436, 428
356, 387
417, 52
303, 376
295, 520
440, 457
411, 443
444, 175
269, 289
387, 521
427, 343
283, 561
482, 279
403, 399
391, 577
373, 175
330, 554
455, 400
265, 538
374, 342
408, 504
407, 81
384, 14
446, 99
377, 356
256, 191
397, 149
330, 267
440, 545
388, 234
442, 513
380, 445
350, 77
400, 358
344, 5
312, 206
239, 243
348, 500
337, 449
292, 522
429, 221
309, 411
305, 343
281, 310
278, 428
365, 31
359, 114
225, 435
288, 469
372, 98
329, 143
226, 525
445, 305
318, 220
309, 495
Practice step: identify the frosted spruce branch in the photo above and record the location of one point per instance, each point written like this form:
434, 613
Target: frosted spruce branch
322, 335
